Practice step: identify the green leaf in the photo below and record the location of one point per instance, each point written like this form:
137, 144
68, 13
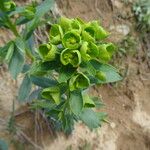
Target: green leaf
111, 73
9, 53
52, 93
98, 102
76, 102
71, 40
41, 10
47, 52
9, 5
100, 33
88, 68
42, 104
56, 34
42, 68
43, 81
79, 81
20, 44
101, 75
87, 37
3, 145
87, 101
65, 73
89, 51
65, 23
16, 63
102, 116
25, 89
90, 118
72, 57
34, 95
4, 50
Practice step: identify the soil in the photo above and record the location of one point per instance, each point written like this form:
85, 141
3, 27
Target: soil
127, 102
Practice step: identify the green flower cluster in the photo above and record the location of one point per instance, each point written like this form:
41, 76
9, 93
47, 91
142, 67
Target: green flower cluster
76, 42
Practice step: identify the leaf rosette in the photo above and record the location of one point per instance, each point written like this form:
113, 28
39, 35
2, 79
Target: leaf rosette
72, 57
79, 81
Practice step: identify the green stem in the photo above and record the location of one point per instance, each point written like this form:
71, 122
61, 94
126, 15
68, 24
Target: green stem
12, 27
29, 55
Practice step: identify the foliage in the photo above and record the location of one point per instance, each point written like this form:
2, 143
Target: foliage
75, 58
141, 11
128, 45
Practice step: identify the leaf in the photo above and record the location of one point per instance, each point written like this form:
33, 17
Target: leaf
25, 89
52, 93
90, 118
16, 63
34, 95
9, 53
87, 101
102, 116
42, 68
110, 72
71, 40
72, 57
42, 104
65, 73
87, 67
98, 102
56, 34
20, 44
43, 8
76, 102
43, 81
79, 81
4, 49
47, 52
3, 145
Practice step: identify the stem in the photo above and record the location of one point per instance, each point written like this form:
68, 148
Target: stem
12, 27
29, 54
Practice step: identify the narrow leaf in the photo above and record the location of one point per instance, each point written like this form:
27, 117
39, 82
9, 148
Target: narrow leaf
43, 81
76, 102
25, 89
90, 118
16, 63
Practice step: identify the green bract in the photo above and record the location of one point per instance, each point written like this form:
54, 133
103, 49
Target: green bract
100, 33
47, 52
71, 40
72, 57
106, 51
56, 34
52, 93
89, 51
79, 81
9, 5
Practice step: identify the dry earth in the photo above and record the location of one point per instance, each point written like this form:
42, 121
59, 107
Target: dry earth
127, 103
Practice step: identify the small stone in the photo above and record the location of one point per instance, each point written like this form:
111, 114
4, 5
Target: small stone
112, 125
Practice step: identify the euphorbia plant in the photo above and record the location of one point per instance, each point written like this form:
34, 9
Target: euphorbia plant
75, 58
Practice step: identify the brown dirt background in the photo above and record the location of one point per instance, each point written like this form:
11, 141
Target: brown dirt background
127, 102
